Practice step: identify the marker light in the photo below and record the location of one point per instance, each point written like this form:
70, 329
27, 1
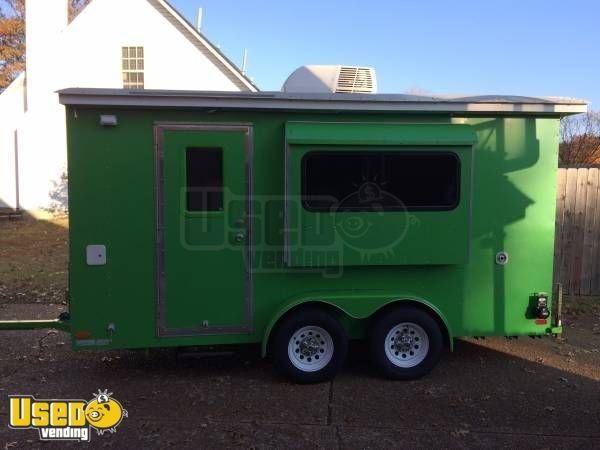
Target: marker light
541, 311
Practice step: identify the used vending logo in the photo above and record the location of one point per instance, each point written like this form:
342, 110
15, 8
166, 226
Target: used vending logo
71, 420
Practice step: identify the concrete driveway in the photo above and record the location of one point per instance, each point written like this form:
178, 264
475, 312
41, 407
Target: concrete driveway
524, 393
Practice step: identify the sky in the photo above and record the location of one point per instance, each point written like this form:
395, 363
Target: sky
526, 47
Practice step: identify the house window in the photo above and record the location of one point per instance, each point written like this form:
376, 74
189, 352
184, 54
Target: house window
380, 181
204, 179
133, 67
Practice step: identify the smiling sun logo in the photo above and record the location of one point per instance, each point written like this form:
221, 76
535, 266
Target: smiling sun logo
104, 413
368, 234
66, 419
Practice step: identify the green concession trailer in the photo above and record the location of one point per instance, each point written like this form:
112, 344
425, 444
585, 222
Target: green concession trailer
301, 221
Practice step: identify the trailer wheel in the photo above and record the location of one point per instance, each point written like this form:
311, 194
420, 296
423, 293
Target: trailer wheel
309, 346
406, 343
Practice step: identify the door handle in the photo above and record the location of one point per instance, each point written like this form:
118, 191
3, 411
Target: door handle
239, 237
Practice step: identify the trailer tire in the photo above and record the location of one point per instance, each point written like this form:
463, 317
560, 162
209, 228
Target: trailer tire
406, 343
309, 345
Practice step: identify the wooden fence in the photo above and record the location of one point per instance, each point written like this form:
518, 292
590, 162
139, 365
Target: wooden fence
577, 247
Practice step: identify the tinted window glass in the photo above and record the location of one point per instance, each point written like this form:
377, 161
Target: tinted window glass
204, 175
380, 181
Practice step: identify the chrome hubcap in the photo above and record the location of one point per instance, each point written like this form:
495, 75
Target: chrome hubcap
406, 345
310, 348
403, 342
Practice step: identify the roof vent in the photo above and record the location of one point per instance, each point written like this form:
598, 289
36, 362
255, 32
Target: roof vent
345, 79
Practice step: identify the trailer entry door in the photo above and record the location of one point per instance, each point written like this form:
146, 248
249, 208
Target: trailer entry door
203, 229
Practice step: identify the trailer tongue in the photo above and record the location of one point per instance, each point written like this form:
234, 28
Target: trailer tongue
62, 323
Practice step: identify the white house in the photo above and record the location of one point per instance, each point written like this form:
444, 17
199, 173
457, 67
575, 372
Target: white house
129, 44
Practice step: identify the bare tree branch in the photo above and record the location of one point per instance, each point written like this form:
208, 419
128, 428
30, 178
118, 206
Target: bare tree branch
12, 37
580, 139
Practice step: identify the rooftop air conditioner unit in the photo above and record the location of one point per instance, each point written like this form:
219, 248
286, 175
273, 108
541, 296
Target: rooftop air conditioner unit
341, 79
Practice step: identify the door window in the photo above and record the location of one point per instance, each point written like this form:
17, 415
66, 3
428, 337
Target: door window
204, 179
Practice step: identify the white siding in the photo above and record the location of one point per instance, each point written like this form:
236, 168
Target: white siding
92, 50
87, 53
12, 109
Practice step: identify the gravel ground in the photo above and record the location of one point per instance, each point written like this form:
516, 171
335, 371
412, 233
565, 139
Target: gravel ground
524, 393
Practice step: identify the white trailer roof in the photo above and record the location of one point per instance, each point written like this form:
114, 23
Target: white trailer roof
146, 98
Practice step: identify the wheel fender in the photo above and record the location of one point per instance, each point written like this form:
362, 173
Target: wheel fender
282, 311
353, 307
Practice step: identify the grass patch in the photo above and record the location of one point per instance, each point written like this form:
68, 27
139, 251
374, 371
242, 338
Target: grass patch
33, 260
